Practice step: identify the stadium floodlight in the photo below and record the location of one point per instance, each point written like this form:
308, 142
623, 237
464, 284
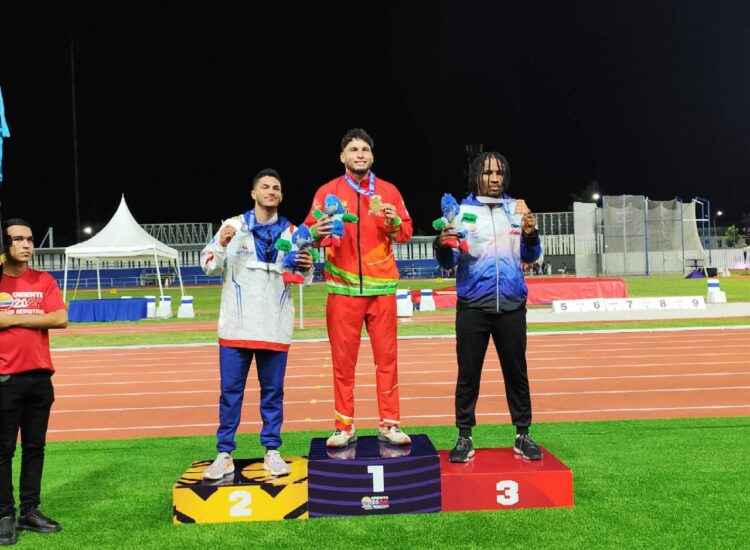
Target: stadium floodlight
719, 213
87, 230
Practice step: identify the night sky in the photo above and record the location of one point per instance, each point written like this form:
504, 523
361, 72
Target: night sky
178, 108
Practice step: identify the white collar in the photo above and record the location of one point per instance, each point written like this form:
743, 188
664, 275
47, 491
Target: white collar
493, 200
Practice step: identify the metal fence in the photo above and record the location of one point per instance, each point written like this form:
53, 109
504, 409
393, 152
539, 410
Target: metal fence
617, 246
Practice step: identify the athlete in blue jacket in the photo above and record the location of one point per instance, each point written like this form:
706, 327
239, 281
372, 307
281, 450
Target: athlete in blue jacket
501, 234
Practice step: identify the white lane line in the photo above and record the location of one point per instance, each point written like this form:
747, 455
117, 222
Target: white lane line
85, 371
647, 334
215, 391
325, 371
412, 351
583, 361
637, 365
366, 368
151, 359
96, 363
450, 382
646, 409
252, 404
420, 416
612, 356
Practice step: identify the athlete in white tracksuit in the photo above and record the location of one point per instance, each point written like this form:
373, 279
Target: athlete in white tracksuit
255, 320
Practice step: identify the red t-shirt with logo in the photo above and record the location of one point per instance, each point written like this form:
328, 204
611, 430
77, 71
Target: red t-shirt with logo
32, 293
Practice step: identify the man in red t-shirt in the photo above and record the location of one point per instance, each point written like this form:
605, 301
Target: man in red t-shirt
30, 304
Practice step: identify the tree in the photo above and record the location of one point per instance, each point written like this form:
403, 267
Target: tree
732, 236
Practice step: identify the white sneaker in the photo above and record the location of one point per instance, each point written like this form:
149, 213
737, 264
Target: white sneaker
223, 465
275, 464
341, 438
393, 435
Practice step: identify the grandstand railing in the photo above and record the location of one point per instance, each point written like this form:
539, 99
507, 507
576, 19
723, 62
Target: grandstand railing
180, 233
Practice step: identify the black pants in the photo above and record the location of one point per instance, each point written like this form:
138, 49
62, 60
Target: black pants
25, 403
508, 331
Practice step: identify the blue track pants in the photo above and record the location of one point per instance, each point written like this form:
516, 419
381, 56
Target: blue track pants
234, 364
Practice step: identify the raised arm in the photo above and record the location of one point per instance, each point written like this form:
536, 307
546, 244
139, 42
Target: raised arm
214, 255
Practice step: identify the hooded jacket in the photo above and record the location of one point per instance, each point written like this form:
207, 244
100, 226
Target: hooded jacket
489, 277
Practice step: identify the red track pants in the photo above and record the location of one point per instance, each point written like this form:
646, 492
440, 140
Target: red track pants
344, 318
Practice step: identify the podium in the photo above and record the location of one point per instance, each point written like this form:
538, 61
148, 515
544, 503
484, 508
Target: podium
371, 477
249, 494
499, 479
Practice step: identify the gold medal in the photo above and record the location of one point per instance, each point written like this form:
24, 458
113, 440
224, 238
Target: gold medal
375, 203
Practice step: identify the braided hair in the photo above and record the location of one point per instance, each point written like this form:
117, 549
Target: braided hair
477, 167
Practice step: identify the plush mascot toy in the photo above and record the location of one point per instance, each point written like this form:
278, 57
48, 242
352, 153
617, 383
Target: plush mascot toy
449, 206
303, 239
332, 206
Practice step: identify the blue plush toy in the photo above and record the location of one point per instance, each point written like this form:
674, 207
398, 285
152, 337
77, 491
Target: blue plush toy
332, 206
450, 208
303, 239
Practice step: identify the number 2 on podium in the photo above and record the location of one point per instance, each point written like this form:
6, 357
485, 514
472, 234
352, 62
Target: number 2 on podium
508, 490
243, 500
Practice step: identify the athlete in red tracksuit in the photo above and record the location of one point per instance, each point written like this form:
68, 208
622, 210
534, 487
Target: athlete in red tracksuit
361, 276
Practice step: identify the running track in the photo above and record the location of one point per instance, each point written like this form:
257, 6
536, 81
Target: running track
173, 391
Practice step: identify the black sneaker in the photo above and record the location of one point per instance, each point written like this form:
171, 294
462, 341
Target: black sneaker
462, 451
34, 520
8, 534
526, 447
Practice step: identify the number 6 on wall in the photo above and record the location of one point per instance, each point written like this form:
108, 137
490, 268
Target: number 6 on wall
508, 490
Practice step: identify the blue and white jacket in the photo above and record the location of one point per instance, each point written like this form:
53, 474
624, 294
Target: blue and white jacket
257, 311
489, 277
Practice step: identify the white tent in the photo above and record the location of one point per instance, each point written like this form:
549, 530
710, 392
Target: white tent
122, 238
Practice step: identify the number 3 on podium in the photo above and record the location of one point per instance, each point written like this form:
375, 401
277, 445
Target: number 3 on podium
508, 490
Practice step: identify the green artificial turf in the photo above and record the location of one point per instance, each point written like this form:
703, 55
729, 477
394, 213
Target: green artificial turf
638, 484
737, 289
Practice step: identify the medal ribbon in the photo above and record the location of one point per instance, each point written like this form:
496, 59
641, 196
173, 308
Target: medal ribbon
249, 217
369, 193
